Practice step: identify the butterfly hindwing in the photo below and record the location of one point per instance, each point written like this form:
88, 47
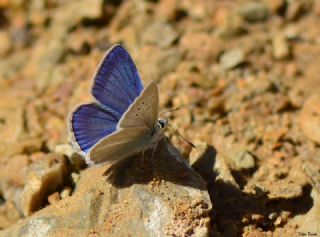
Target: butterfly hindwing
119, 145
144, 110
117, 82
91, 122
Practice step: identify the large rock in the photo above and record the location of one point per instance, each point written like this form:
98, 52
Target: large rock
27, 181
155, 194
310, 118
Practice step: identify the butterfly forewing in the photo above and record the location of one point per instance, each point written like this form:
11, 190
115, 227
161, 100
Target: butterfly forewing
119, 145
117, 82
144, 110
116, 85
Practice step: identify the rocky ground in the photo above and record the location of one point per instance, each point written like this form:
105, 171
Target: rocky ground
245, 75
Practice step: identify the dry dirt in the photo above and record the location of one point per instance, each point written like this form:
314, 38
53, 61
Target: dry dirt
245, 75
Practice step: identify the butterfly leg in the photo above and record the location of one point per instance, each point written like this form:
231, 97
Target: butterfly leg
153, 150
142, 160
175, 133
142, 154
178, 137
165, 141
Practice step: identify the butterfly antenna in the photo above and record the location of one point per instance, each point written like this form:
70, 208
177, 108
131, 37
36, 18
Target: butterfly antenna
179, 135
175, 133
171, 110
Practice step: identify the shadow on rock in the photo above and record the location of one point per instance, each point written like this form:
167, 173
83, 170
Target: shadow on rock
163, 163
234, 209
153, 195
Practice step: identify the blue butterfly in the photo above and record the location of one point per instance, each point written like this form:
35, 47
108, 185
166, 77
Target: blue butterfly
124, 118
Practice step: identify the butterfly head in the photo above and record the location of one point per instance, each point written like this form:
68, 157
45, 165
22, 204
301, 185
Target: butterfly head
162, 123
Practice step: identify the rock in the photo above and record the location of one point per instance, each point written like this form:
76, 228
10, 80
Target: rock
311, 167
162, 61
38, 13
222, 187
11, 110
283, 189
168, 10
228, 23
64, 149
55, 47
160, 33
232, 28
292, 32
9, 214
280, 47
72, 13
282, 219
75, 177
198, 10
202, 159
277, 182
296, 9
121, 30
276, 6
53, 198
254, 11
242, 159
5, 43
42, 178
200, 46
66, 192
25, 186
232, 58
223, 172
210, 164
310, 118
142, 196
309, 222
75, 159
12, 172
238, 156
52, 126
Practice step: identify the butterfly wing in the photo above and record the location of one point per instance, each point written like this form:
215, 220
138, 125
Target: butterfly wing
117, 82
144, 110
134, 130
116, 85
91, 122
119, 145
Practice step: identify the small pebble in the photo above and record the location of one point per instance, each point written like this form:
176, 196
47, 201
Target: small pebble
254, 11
53, 198
232, 58
280, 47
5, 43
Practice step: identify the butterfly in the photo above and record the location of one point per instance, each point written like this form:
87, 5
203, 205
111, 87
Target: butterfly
123, 119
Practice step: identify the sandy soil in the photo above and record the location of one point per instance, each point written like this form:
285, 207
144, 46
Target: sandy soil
245, 74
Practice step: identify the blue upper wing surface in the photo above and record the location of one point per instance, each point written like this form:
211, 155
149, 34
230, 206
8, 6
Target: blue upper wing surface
92, 122
117, 82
